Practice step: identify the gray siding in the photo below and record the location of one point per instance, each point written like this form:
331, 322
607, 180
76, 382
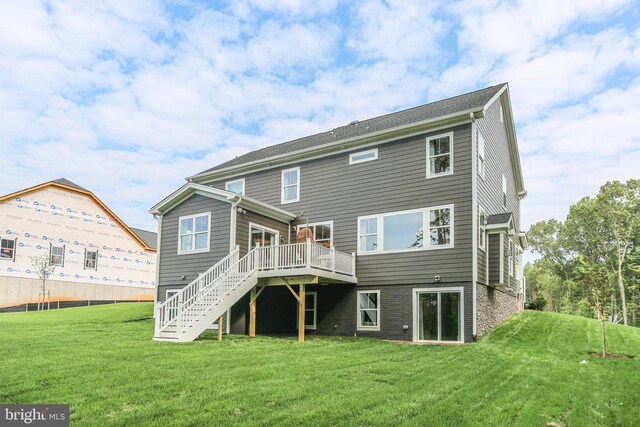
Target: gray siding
497, 163
494, 258
242, 228
173, 266
331, 189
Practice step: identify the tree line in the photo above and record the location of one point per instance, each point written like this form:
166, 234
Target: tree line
589, 265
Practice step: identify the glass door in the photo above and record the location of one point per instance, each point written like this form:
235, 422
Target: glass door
439, 315
266, 239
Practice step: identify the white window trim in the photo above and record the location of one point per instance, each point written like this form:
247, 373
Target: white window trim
330, 223
501, 114
195, 251
510, 257
297, 199
167, 291
51, 256
86, 259
235, 181
355, 162
504, 192
367, 328
263, 228
426, 241
450, 135
13, 255
315, 311
482, 239
416, 310
482, 156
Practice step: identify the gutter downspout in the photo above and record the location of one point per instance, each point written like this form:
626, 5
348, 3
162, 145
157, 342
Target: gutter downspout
474, 225
232, 247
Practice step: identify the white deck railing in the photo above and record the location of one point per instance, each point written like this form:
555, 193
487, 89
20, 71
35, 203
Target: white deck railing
211, 287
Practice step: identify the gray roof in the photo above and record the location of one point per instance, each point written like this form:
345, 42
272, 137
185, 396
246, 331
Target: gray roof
68, 183
501, 218
149, 237
468, 101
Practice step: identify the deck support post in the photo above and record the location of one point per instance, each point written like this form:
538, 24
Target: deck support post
252, 313
301, 312
220, 321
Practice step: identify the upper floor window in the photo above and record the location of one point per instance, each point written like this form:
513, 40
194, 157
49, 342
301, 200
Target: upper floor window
405, 231
90, 260
235, 186
504, 191
56, 255
194, 233
7, 249
510, 257
363, 156
481, 162
501, 114
439, 155
291, 185
482, 229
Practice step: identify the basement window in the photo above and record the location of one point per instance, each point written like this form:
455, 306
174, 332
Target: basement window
369, 310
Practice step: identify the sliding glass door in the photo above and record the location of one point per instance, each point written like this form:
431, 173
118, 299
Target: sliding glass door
438, 315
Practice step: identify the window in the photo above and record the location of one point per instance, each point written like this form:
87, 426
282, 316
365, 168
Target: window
310, 310
262, 236
90, 260
322, 233
56, 255
501, 114
363, 156
439, 152
438, 314
194, 233
7, 249
291, 185
481, 163
369, 310
236, 186
510, 257
404, 231
440, 227
482, 229
504, 191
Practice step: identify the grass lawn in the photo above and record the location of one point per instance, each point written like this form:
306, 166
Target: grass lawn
102, 362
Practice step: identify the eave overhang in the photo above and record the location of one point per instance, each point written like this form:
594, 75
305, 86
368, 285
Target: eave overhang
191, 188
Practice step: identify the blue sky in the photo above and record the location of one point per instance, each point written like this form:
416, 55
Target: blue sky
128, 98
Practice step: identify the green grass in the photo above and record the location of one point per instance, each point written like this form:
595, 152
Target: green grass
102, 362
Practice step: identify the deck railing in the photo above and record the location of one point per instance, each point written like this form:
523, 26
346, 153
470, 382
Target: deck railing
211, 287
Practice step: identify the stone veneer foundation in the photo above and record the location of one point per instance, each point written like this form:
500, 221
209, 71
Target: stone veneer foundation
493, 307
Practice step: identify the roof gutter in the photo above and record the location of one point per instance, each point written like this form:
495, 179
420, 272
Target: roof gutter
379, 137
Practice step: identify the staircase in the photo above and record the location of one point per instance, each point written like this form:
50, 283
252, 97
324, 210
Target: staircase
185, 315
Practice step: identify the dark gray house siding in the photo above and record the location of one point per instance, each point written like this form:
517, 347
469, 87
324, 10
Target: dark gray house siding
242, 228
497, 163
173, 266
331, 189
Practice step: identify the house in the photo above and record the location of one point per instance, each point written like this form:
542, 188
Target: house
96, 256
404, 226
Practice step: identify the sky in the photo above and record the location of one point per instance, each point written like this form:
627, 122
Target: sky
127, 98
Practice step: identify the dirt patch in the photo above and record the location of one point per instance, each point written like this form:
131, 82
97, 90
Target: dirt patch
612, 355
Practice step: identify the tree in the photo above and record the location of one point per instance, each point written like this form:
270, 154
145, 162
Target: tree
597, 279
619, 204
546, 238
43, 268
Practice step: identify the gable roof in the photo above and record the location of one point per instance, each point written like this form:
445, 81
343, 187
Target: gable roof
149, 237
469, 101
65, 184
499, 219
239, 200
